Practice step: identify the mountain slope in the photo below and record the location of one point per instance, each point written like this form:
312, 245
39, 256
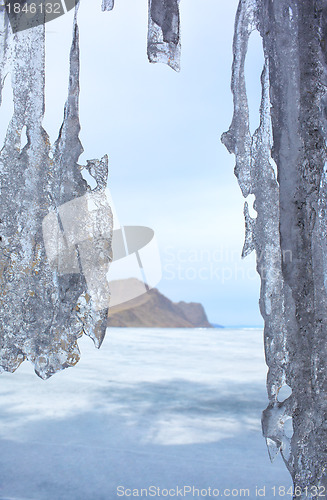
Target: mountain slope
155, 310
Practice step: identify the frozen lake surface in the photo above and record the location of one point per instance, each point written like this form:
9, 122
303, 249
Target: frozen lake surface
161, 408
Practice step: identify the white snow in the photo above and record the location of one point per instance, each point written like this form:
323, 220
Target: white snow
154, 407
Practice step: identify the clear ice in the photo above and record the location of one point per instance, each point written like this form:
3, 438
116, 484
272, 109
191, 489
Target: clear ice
55, 229
164, 32
47, 303
107, 4
289, 233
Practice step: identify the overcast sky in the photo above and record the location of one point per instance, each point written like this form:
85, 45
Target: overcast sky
161, 130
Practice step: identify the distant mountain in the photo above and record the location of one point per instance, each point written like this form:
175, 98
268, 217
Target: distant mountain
153, 309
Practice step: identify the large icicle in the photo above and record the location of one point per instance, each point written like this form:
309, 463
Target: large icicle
54, 231
290, 230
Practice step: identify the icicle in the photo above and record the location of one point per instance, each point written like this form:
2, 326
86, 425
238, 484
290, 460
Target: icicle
255, 176
290, 229
55, 236
107, 4
29, 15
164, 33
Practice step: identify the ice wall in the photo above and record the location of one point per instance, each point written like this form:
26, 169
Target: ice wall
289, 233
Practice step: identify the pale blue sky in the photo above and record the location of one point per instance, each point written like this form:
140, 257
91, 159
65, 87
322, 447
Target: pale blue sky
161, 130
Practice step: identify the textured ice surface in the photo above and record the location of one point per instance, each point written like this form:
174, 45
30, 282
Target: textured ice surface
108, 4
163, 31
46, 306
289, 233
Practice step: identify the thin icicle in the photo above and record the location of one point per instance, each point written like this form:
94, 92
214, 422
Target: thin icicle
46, 304
289, 231
164, 33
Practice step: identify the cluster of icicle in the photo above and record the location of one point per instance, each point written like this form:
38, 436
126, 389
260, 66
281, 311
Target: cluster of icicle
55, 231
290, 230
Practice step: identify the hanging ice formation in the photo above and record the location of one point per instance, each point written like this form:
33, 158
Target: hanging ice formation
55, 232
45, 303
289, 233
163, 33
